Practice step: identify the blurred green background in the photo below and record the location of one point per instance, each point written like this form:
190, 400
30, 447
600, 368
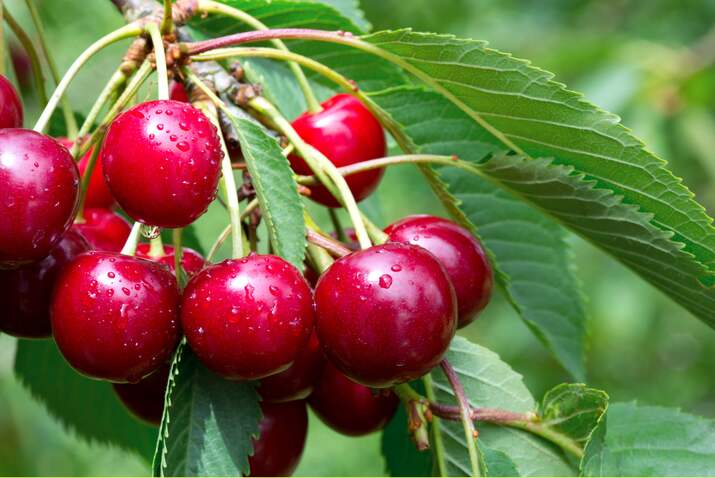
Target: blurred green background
649, 61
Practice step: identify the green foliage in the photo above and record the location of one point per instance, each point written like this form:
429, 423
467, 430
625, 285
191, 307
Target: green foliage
573, 409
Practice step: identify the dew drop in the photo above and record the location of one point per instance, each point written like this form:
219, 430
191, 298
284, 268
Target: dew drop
111, 275
396, 268
182, 146
385, 281
160, 126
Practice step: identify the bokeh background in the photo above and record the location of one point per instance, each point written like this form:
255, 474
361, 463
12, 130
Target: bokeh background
649, 61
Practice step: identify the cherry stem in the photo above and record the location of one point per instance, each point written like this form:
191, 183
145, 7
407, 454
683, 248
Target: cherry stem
470, 433
28, 46
70, 121
439, 449
335, 248
176, 237
156, 248
126, 31
416, 414
130, 246
167, 20
209, 6
250, 207
339, 231
3, 46
87, 177
160, 58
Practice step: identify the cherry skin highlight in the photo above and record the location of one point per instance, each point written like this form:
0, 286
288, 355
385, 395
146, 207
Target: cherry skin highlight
348, 407
279, 447
11, 113
385, 315
247, 318
296, 382
346, 133
115, 317
105, 230
460, 253
145, 399
191, 261
40, 186
161, 160
98, 194
26, 292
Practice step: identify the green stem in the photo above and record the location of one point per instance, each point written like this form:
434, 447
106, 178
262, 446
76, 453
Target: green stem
178, 257
548, 433
470, 434
70, 120
339, 231
167, 20
439, 450
227, 231
160, 54
3, 47
87, 177
130, 246
29, 47
156, 248
320, 258
126, 31
209, 6
318, 163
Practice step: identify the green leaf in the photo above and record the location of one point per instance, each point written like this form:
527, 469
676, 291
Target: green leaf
401, 456
528, 250
350, 9
86, 407
489, 382
497, 463
208, 422
524, 110
573, 409
276, 190
637, 440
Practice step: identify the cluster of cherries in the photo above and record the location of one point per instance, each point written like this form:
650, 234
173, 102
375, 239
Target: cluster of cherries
375, 318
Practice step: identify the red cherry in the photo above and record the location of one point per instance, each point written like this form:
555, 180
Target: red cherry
161, 161
25, 292
296, 382
347, 133
282, 437
40, 184
114, 317
460, 253
348, 407
248, 318
98, 194
191, 261
177, 92
22, 65
387, 314
145, 399
10, 105
104, 230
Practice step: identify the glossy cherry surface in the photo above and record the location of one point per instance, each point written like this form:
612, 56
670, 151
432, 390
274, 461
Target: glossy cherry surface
248, 318
10, 105
460, 253
279, 447
346, 133
348, 407
114, 317
161, 160
105, 230
145, 399
177, 92
191, 261
25, 292
40, 184
98, 194
385, 315
298, 380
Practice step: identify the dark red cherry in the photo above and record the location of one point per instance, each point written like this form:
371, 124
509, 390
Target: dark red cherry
282, 437
39, 182
460, 253
105, 230
385, 315
25, 292
161, 161
115, 317
296, 382
22, 65
248, 318
191, 261
347, 133
348, 407
145, 399
98, 194
10, 105
177, 92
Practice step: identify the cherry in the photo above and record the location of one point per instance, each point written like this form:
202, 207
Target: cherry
40, 185
460, 253
25, 292
98, 194
10, 106
247, 318
348, 407
346, 133
177, 92
282, 437
296, 382
114, 317
145, 399
191, 261
386, 314
161, 161
104, 230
